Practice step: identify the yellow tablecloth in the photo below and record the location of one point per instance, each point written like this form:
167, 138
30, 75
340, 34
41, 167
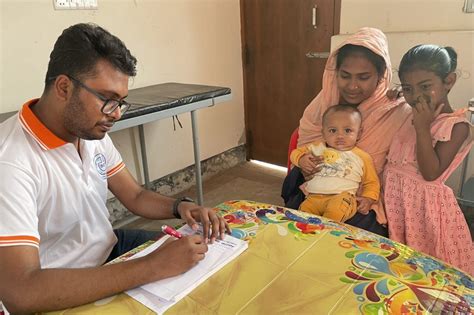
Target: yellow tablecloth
297, 263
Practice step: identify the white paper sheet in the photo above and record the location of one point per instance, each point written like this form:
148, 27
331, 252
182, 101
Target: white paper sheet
150, 300
162, 294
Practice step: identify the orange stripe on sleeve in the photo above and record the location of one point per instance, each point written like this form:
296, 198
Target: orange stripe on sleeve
19, 240
114, 170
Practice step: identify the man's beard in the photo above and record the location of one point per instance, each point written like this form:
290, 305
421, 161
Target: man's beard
75, 120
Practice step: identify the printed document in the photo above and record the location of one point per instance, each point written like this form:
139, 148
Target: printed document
163, 294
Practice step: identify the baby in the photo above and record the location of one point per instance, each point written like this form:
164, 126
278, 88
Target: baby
331, 192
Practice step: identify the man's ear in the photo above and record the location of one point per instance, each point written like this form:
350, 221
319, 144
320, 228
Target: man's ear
450, 80
62, 87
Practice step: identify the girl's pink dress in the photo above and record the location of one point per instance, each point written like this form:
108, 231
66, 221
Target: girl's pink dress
425, 215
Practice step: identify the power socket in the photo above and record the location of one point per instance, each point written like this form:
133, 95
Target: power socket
61, 4
75, 4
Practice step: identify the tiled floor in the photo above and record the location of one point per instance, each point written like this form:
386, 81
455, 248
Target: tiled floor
247, 181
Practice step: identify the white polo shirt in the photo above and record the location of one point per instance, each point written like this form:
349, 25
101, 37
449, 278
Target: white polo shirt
52, 199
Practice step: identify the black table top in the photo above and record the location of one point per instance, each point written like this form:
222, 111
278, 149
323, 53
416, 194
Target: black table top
159, 97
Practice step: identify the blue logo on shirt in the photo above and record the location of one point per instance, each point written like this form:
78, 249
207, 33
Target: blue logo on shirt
101, 165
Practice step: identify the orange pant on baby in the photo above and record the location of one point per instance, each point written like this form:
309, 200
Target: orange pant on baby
339, 207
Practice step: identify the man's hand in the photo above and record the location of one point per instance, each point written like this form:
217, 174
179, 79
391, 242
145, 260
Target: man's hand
364, 204
310, 165
151, 205
193, 213
177, 257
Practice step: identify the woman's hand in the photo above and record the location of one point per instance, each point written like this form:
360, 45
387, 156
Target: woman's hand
394, 93
193, 213
364, 204
310, 165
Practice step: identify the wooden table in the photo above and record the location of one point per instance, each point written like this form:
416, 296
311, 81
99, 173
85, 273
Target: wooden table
301, 264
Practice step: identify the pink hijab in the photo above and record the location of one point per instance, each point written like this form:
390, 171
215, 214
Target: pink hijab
381, 117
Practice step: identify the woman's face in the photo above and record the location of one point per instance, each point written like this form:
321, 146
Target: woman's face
357, 79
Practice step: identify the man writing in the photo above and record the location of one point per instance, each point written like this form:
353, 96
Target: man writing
57, 163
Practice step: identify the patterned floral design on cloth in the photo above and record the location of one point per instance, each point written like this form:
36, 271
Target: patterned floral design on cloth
392, 278
245, 223
388, 277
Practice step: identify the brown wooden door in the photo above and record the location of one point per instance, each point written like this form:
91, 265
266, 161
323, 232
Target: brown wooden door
279, 79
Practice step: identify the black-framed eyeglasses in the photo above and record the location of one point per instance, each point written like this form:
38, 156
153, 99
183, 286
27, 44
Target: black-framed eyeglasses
110, 105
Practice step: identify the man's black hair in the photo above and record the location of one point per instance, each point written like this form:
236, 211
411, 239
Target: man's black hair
78, 49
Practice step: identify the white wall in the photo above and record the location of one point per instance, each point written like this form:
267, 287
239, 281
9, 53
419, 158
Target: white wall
405, 15
189, 41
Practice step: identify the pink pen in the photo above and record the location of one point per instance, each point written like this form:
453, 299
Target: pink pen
170, 231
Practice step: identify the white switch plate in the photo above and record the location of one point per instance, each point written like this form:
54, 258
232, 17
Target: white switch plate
75, 4
61, 4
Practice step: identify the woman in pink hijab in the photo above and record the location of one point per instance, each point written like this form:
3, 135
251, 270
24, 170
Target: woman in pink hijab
359, 73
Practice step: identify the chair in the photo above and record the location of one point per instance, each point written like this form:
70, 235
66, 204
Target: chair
292, 145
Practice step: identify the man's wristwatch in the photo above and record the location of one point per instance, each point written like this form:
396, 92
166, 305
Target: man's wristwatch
176, 205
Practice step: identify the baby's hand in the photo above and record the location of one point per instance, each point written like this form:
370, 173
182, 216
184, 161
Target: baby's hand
310, 164
364, 204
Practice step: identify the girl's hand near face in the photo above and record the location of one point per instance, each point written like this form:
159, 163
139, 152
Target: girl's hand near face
433, 161
423, 114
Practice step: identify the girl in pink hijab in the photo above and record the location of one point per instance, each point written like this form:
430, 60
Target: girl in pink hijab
359, 72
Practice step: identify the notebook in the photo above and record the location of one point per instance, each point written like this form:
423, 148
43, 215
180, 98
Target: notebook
168, 291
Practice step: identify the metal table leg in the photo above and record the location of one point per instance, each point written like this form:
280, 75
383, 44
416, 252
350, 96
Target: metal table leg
197, 160
146, 177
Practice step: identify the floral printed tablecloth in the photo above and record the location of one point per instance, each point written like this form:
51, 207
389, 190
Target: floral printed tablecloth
298, 263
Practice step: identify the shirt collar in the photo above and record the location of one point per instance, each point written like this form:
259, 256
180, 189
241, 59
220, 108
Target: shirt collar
45, 137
